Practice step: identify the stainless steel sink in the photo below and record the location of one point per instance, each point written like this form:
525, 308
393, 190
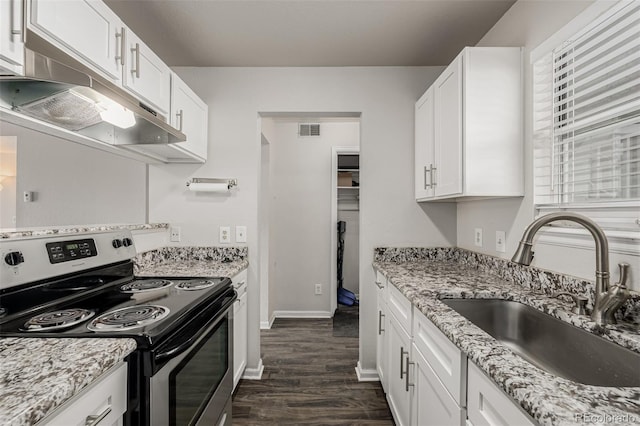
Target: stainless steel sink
550, 344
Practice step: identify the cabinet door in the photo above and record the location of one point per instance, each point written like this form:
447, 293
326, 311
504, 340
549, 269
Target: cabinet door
398, 396
239, 338
189, 115
146, 75
382, 344
424, 149
488, 405
432, 405
448, 130
11, 31
86, 29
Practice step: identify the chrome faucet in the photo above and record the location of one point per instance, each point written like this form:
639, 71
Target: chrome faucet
608, 299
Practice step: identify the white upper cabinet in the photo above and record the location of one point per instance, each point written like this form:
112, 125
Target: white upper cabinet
189, 114
11, 37
469, 143
424, 155
448, 131
86, 29
146, 75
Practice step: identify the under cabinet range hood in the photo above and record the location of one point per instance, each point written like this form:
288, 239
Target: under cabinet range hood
59, 90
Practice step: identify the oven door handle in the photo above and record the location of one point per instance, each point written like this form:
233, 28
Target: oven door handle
176, 350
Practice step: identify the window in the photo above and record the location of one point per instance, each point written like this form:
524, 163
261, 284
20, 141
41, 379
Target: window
586, 123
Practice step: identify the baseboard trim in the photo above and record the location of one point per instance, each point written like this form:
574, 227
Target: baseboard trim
366, 375
266, 325
302, 314
254, 373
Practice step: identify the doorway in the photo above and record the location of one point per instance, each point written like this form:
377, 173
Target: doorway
298, 213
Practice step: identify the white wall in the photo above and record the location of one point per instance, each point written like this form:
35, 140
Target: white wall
528, 24
389, 214
74, 184
8, 166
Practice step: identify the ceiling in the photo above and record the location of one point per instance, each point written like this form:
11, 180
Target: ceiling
309, 32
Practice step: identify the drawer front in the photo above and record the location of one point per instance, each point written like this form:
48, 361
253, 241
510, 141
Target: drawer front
488, 405
446, 360
381, 286
240, 279
108, 397
400, 307
432, 403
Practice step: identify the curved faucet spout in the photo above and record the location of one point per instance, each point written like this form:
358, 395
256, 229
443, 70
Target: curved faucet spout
524, 255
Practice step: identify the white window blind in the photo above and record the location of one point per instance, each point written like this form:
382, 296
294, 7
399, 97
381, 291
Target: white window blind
587, 123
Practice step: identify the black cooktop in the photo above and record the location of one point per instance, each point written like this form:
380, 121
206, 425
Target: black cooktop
114, 291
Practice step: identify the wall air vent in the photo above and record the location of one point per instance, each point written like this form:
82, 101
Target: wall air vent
309, 129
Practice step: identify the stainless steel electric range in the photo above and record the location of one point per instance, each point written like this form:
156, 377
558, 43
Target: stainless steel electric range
82, 286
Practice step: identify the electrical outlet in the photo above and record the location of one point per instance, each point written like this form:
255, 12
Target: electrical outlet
175, 234
241, 234
225, 234
501, 241
318, 289
477, 237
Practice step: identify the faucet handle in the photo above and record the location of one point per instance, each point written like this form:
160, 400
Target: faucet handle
580, 302
623, 269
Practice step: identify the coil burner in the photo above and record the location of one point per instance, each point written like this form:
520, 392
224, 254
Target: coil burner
128, 318
139, 286
57, 320
197, 284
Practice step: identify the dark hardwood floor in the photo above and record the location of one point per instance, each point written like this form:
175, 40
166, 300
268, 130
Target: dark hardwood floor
309, 379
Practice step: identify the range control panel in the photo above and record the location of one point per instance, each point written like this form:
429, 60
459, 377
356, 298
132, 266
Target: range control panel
65, 251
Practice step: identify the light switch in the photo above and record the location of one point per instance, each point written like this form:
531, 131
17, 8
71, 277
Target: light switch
241, 234
225, 234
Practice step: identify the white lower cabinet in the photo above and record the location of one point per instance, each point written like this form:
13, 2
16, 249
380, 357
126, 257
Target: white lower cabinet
432, 404
488, 405
399, 390
382, 337
104, 402
428, 379
239, 327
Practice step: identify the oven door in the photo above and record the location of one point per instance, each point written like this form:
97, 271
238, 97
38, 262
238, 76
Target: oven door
195, 382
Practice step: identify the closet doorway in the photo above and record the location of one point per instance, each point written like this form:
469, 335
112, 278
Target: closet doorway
345, 220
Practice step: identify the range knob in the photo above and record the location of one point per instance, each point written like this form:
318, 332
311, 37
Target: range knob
14, 258
127, 242
116, 243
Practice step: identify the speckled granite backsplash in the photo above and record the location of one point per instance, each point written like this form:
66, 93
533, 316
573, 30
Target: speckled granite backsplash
219, 254
532, 278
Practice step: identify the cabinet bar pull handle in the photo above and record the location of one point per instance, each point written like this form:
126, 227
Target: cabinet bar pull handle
433, 181
407, 385
136, 70
179, 117
402, 352
379, 284
121, 38
16, 21
425, 178
380, 329
95, 419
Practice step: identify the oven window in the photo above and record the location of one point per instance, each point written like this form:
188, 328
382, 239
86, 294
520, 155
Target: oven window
195, 379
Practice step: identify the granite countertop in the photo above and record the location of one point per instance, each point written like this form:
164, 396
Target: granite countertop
37, 375
549, 399
67, 230
194, 268
192, 262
